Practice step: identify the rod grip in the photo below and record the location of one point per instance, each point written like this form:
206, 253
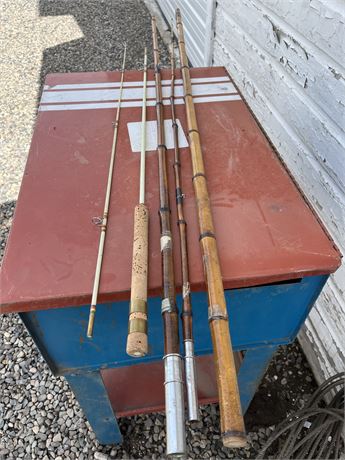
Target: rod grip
137, 343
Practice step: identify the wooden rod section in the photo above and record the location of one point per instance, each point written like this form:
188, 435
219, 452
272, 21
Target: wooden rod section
186, 315
232, 424
173, 380
103, 221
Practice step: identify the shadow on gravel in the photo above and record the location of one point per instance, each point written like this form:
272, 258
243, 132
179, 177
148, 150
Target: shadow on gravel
287, 384
106, 25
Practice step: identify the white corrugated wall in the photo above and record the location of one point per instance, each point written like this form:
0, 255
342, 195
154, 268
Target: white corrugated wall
287, 57
198, 17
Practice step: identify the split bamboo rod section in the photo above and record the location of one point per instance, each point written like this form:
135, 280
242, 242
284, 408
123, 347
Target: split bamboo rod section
173, 379
232, 424
104, 220
137, 343
186, 315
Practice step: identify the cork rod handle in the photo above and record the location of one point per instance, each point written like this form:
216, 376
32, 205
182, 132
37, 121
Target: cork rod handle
137, 344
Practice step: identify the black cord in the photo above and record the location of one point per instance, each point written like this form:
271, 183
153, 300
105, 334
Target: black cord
323, 439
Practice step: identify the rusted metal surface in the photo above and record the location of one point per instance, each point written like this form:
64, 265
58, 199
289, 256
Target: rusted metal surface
265, 230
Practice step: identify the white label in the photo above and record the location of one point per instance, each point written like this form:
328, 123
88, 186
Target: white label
134, 131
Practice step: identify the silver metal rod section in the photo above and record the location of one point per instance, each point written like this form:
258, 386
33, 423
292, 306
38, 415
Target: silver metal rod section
104, 220
191, 383
143, 136
174, 406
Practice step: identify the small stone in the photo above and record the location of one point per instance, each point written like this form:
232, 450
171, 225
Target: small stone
148, 423
283, 381
100, 456
57, 438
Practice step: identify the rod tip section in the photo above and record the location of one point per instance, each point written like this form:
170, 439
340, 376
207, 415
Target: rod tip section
137, 345
234, 439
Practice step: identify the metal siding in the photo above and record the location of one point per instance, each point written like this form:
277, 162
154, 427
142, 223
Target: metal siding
285, 56
198, 21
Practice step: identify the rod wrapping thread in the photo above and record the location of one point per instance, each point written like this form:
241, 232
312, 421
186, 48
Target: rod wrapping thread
137, 344
232, 425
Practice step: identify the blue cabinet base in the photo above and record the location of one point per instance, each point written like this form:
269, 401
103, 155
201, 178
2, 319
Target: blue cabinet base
261, 319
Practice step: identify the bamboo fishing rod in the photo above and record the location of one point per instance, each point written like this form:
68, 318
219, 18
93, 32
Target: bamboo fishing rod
104, 219
186, 315
232, 425
173, 381
137, 326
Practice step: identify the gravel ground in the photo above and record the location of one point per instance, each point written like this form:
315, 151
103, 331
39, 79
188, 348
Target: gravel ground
39, 417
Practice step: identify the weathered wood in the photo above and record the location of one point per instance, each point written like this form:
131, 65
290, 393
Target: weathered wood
296, 93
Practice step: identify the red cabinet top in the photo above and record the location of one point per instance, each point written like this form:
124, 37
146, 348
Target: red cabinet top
265, 230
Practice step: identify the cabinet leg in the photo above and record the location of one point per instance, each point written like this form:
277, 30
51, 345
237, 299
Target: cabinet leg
253, 367
92, 396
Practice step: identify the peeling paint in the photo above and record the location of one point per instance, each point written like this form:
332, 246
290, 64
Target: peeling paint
337, 75
297, 94
279, 33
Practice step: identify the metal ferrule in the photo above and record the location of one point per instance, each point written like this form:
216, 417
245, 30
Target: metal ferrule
191, 382
174, 406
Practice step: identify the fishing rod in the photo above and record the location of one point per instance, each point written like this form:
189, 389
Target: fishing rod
186, 316
104, 220
231, 419
173, 381
137, 326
